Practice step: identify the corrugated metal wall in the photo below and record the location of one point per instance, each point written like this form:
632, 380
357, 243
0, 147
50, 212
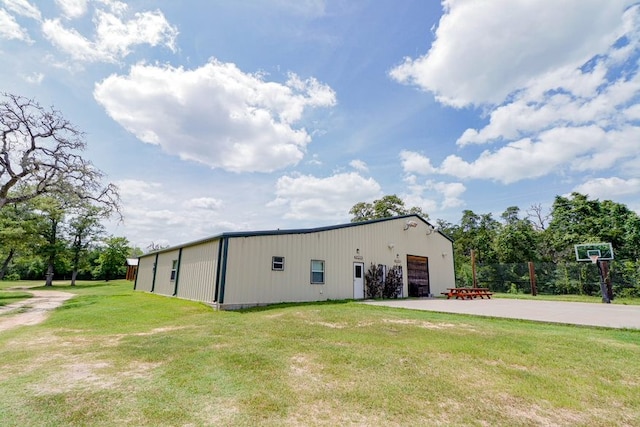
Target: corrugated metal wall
164, 285
144, 280
198, 272
250, 279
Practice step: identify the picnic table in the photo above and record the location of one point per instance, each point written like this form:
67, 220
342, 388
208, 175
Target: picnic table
467, 293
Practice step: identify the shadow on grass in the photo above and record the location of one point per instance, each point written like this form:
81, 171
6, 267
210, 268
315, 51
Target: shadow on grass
7, 298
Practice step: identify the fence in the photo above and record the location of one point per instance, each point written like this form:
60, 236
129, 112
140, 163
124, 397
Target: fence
551, 278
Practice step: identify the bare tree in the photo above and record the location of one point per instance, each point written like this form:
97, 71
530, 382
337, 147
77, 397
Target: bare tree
40, 154
538, 218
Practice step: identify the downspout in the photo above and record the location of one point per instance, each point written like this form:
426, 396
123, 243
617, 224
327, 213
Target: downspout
175, 289
222, 270
155, 269
217, 284
135, 282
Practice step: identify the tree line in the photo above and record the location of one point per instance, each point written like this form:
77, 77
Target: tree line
52, 200
504, 245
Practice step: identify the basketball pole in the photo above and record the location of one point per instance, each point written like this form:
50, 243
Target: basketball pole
603, 284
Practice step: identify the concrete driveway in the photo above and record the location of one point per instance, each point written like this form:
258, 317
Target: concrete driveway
573, 313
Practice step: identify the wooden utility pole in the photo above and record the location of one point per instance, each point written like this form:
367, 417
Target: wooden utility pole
532, 279
473, 268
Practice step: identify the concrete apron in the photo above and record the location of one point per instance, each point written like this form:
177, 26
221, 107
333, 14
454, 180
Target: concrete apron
573, 313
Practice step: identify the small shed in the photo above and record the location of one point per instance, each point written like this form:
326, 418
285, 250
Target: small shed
132, 268
242, 269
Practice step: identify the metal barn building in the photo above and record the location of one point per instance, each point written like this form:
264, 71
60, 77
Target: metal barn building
243, 269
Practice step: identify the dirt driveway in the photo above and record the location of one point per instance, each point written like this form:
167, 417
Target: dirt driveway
33, 310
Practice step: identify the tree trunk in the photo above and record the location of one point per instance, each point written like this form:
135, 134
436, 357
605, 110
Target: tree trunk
73, 277
5, 264
49, 281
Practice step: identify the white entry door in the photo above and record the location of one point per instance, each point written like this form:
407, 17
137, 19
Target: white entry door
358, 280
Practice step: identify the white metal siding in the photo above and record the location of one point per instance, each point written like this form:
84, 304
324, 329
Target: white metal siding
164, 285
144, 279
250, 280
198, 266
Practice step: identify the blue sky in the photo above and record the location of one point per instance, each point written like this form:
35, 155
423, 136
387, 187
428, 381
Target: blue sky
216, 116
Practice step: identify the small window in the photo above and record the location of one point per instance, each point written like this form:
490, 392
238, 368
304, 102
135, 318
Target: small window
358, 271
317, 271
174, 269
277, 263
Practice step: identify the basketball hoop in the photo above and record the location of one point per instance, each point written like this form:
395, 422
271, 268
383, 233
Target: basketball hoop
594, 258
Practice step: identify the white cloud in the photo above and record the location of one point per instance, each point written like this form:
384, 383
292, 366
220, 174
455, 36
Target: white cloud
560, 85
450, 191
609, 188
10, 29
433, 196
216, 115
485, 51
34, 78
114, 37
413, 162
72, 8
208, 203
359, 165
310, 197
527, 158
153, 212
23, 8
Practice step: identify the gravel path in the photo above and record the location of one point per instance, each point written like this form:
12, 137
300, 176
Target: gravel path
33, 310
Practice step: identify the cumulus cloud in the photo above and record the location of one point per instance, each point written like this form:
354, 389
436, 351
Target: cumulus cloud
115, 35
559, 85
72, 8
310, 197
609, 188
23, 8
483, 51
413, 162
216, 115
10, 29
433, 196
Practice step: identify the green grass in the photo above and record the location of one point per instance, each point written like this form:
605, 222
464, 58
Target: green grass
113, 357
9, 297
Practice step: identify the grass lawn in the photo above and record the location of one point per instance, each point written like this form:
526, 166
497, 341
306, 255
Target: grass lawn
114, 357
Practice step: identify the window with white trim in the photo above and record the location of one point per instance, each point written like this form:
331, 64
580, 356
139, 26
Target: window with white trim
277, 263
317, 271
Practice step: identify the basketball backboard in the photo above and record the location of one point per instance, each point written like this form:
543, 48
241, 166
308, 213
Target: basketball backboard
586, 251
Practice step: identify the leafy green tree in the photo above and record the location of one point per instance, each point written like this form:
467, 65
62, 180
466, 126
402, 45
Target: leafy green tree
516, 240
386, 207
84, 228
16, 231
112, 259
578, 219
51, 216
